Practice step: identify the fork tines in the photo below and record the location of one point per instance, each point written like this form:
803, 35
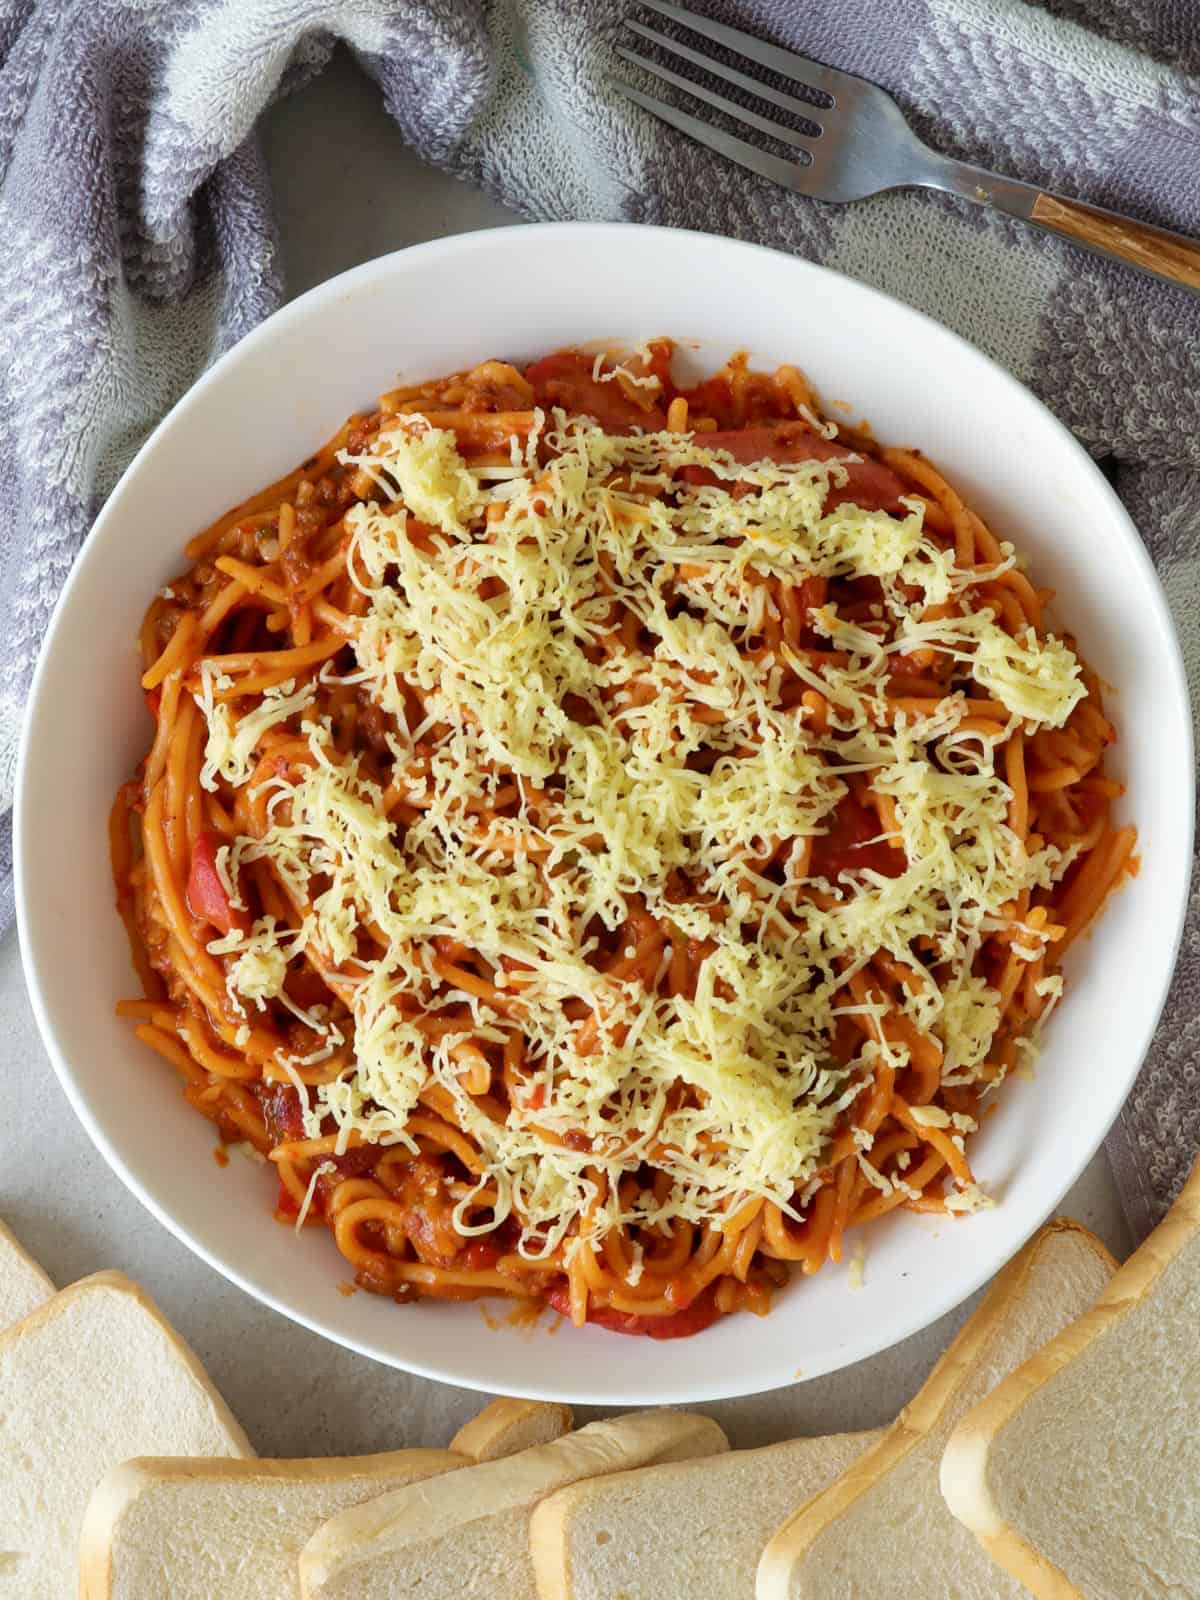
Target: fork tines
810, 75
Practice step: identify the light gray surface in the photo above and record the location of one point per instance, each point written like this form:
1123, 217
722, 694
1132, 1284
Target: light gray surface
347, 189
296, 1394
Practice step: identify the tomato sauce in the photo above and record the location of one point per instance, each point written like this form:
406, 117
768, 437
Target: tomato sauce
852, 844
700, 1314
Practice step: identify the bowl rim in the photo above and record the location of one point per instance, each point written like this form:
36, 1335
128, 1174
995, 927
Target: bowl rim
931, 1305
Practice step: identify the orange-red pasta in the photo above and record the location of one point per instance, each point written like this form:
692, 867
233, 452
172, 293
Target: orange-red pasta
271, 604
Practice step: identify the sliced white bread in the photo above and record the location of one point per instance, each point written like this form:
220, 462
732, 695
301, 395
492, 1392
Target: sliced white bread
882, 1529
1080, 1474
178, 1529
688, 1528
92, 1377
23, 1284
162, 1528
467, 1537
506, 1426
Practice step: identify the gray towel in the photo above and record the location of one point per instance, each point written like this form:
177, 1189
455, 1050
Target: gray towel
138, 245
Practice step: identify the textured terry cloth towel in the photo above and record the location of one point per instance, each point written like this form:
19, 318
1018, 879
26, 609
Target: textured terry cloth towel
138, 245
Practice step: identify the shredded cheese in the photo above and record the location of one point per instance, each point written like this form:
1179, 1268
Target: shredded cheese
968, 1199
855, 1275
500, 621
319, 1171
232, 742
1035, 679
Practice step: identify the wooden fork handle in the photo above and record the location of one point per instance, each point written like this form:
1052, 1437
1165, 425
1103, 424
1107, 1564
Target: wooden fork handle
1163, 254
1154, 250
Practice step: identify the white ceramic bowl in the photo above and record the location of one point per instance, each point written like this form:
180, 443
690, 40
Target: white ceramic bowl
519, 292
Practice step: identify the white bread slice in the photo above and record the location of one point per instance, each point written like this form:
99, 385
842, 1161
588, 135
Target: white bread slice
23, 1284
690, 1528
89, 1379
183, 1529
506, 1426
883, 1529
1080, 1473
467, 1537
180, 1529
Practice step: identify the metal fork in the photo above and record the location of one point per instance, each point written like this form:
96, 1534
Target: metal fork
860, 145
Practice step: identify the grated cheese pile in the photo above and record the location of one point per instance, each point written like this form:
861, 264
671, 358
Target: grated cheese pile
488, 590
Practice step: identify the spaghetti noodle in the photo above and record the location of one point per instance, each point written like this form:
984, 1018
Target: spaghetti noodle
603, 842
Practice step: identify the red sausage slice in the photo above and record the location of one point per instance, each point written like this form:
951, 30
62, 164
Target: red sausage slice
565, 379
869, 483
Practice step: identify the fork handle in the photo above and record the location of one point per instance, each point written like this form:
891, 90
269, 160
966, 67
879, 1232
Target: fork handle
1157, 251
1172, 257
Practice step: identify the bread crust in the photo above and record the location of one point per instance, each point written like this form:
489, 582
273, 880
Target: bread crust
550, 1525
12, 1249
121, 1488
506, 1425
54, 1308
501, 1428
379, 1530
964, 1474
95, 1576
917, 1419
